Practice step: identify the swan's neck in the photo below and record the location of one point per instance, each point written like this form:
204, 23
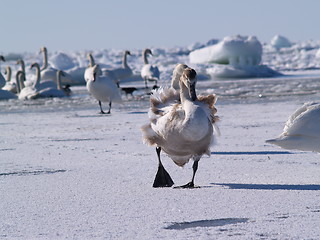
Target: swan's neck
38, 76
124, 62
23, 66
45, 59
145, 59
20, 81
91, 60
184, 93
59, 80
8, 70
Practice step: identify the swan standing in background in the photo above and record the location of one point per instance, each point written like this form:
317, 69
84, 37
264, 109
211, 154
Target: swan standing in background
183, 129
149, 72
50, 73
103, 88
10, 86
2, 80
119, 74
302, 129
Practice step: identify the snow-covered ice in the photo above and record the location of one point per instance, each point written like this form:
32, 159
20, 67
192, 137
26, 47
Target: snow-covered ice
67, 172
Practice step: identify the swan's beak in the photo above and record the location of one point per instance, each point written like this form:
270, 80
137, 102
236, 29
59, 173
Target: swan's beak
192, 91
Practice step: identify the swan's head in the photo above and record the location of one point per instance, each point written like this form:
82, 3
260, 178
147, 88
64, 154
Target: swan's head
177, 72
127, 53
35, 65
60, 74
43, 49
91, 60
2, 58
147, 51
189, 79
20, 61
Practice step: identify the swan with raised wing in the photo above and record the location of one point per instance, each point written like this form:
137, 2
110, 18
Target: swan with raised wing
302, 129
102, 88
183, 128
149, 72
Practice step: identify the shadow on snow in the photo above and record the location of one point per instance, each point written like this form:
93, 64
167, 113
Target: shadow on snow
310, 187
206, 223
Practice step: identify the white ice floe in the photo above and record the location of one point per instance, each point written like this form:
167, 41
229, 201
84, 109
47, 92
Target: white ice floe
233, 50
233, 57
279, 41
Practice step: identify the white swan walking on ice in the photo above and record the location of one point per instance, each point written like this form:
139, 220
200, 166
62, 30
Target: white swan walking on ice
149, 72
183, 128
102, 88
302, 129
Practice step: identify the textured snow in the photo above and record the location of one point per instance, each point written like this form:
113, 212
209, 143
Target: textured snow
67, 172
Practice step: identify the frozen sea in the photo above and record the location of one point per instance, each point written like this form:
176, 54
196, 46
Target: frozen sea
67, 172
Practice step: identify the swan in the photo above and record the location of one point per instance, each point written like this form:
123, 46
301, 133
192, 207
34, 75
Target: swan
149, 72
10, 86
183, 129
5, 92
2, 80
50, 73
103, 88
57, 91
26, 92
119, 74
302, 129
27, 83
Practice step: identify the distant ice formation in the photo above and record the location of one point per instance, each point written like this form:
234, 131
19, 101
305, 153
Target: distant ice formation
279, 41
233, 57
234, 50
61, 61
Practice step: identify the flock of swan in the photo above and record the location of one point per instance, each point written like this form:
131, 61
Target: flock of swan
181, 123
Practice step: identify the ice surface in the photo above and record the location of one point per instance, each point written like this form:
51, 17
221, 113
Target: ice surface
67, 172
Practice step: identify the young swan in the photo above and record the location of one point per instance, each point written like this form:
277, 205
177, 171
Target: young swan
182, 127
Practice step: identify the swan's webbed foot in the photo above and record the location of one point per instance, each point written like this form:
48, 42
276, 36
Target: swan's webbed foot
162, 178
189, 185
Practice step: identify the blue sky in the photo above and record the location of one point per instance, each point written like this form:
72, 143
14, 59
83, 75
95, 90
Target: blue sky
135, 24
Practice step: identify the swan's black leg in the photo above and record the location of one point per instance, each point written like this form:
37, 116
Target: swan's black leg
146, 82
163, 178
109, 107
101, 111
191, 184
